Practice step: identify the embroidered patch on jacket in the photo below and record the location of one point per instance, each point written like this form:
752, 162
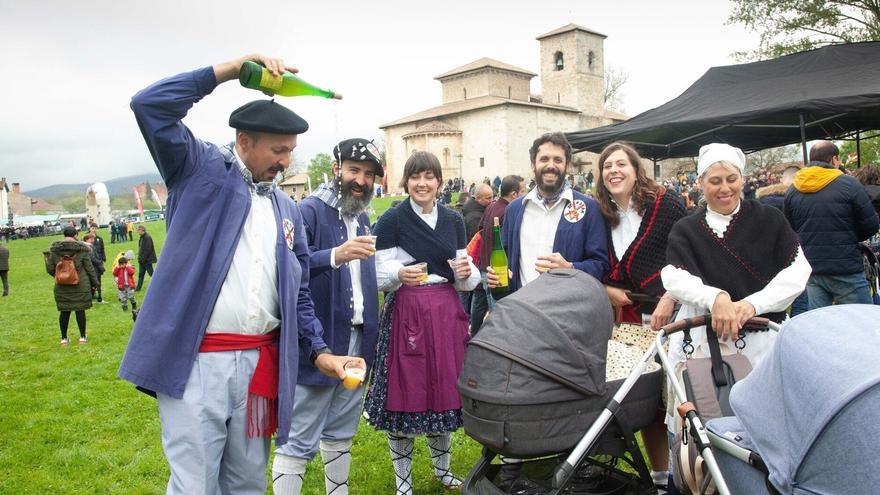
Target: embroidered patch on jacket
288, 233
575, 211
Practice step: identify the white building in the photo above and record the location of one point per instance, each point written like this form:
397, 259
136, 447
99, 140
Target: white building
488, 117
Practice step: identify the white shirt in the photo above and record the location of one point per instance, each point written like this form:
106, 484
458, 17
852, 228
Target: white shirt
354, 269
698, 298
538, 231
248, 302
390, 261
626, 230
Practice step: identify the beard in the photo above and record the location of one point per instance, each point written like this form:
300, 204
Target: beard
549, 190
349, 205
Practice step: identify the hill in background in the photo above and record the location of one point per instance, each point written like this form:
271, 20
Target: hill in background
118, 186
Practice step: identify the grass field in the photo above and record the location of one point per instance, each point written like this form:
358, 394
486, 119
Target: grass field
68, 425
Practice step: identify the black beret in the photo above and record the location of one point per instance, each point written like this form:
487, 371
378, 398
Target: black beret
267, 116
359, 150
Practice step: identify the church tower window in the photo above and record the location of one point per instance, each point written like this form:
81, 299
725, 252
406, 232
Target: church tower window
559, 61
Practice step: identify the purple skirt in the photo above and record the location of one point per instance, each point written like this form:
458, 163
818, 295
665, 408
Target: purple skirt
429, 331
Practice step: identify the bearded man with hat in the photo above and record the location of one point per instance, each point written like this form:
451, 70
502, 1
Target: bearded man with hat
220, 335
343, 285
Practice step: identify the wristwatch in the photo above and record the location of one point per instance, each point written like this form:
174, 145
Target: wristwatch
315, 353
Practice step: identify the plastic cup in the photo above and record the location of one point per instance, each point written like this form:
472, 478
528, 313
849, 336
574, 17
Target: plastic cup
354, 375
423, 267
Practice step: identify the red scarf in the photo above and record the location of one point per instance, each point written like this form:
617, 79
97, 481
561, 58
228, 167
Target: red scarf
263, 387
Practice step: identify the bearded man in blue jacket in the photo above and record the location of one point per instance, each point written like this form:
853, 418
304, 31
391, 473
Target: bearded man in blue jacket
553, 226
343, 285
220, 332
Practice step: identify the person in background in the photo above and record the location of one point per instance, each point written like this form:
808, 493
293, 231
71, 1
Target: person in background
472, 211
639, 215
832, 214
146, 255
123, 274
869, 177
98, 264
420, 263
72, 298
129, 230
774, 194
512, 187
4, 268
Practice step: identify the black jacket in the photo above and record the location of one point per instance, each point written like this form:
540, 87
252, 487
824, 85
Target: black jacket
473, 213
830, 220
146, 251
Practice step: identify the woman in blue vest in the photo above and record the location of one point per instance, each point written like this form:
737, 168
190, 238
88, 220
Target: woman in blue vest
423, 327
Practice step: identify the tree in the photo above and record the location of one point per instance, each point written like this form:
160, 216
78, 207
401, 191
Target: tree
320, 165
789, 26
870, 149
759, 162
615, 79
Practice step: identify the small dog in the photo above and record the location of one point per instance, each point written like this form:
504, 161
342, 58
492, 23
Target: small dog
134, 315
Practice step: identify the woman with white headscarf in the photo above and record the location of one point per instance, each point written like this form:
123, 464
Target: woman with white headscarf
735, 258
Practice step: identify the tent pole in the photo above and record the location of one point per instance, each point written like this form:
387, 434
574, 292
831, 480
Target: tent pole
858, 149
803, 138
656, 170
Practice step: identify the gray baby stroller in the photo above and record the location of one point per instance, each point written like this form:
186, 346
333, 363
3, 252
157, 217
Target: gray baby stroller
808, 417
534, 389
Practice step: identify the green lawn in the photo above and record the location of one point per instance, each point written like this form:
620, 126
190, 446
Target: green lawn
68, 425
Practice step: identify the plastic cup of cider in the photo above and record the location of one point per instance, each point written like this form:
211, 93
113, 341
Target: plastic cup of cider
354, 375
424, 269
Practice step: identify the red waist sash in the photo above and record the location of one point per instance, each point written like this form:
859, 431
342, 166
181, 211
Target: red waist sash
263, 387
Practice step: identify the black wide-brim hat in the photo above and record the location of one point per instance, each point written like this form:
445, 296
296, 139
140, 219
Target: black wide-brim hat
359, 150
267, 116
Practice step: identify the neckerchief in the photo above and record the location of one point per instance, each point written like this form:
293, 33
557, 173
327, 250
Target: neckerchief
550, 201
261, 188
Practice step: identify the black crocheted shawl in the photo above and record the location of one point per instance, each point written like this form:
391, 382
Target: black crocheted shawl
639, 268
757, 245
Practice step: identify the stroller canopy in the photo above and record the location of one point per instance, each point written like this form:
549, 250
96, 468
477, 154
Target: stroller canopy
559, 326
812, 407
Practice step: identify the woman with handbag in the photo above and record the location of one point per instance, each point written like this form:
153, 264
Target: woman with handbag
734, 258
68, 261
638, 215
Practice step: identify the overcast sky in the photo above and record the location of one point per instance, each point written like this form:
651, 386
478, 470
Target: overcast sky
70, 68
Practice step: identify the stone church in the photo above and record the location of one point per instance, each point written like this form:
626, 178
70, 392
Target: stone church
489, 117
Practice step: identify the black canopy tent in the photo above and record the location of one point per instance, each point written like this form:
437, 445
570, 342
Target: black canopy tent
828, 93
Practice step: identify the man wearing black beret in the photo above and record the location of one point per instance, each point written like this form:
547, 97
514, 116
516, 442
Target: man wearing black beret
219, 335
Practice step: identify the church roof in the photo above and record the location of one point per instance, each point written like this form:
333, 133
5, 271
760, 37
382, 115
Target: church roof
483, 63
434, 126
301, 178
469, 105
567, 28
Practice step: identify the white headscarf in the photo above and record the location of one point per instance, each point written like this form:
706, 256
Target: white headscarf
711, 154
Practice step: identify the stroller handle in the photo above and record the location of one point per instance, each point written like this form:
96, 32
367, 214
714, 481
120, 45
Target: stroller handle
698, 321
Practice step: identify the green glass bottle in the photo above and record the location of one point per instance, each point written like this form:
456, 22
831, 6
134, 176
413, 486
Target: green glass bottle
498, 259
254, 76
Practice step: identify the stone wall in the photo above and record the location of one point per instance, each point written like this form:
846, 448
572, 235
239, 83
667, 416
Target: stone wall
486, 82
580, 83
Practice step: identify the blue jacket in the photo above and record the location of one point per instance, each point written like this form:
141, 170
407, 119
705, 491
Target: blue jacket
584, 243
208, 202
831, 214
331, 288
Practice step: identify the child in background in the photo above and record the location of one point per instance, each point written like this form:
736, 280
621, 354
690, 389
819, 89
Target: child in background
125, 283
